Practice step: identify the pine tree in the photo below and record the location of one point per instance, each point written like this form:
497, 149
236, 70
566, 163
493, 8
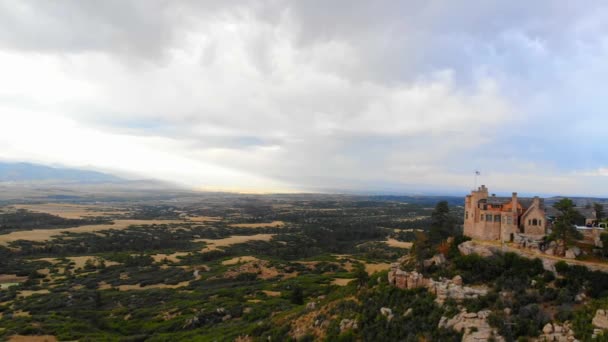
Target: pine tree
564, 229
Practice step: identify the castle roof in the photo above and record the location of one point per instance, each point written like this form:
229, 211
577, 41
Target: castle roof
525, 202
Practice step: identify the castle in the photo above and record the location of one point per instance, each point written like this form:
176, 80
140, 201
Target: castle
488, 217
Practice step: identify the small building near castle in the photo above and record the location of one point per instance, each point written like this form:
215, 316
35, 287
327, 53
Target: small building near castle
489, 217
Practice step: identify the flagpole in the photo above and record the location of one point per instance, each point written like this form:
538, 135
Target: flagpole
476, 174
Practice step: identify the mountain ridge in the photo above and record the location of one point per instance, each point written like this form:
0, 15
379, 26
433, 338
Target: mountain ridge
31, 172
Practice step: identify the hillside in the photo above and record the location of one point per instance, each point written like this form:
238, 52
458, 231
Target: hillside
28, 172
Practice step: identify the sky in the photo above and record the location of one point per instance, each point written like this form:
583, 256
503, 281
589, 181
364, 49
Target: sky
312, 96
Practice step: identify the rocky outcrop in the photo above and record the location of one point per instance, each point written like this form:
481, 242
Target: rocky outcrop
473, 325
347, 324
445, 289
442, 288
437, 259
311, 305
470, 247
572, 252
388, 313
558, 332
406, 280
600, 320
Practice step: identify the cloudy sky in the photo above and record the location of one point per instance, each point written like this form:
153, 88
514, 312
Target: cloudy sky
400, 96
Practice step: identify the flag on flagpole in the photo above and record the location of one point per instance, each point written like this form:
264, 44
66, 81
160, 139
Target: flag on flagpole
477, 173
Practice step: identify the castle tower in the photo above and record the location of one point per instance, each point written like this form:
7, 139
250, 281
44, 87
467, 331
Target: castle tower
472, 211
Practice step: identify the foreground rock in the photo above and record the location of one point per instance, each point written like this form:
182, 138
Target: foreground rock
600, 320
558, 332
470, 247
473, 325
442, 288
347, 324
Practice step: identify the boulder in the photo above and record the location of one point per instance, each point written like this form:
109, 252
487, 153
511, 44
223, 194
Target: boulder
386, 311
470, 247
597, 332
443, 288
347, 324
484, 314
311, 306
549, 265
570, 254
600, 320
548, 328
580, 297
474, 326
406, 280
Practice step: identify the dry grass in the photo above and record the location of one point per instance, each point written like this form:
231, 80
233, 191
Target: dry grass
155, 286
272, 293
44, 271
370, 268
171, 257
27, 293
46, 234
273, 224
38, 338
70, 211
102, 285
341, 281
373, 268
105, 286
8, 280
260, 267
11, 278
202, 218
4, 286
238, 260
399, 244
79, 261
235, 239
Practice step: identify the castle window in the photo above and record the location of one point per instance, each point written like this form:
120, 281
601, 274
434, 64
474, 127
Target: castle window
540, 222
496, 218
482, 217
489, 217
534, 222
509, 220
466, 215
529, 222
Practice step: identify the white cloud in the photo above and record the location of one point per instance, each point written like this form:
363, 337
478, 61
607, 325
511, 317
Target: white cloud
286, 96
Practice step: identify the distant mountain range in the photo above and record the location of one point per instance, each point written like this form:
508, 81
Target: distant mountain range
28, 172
